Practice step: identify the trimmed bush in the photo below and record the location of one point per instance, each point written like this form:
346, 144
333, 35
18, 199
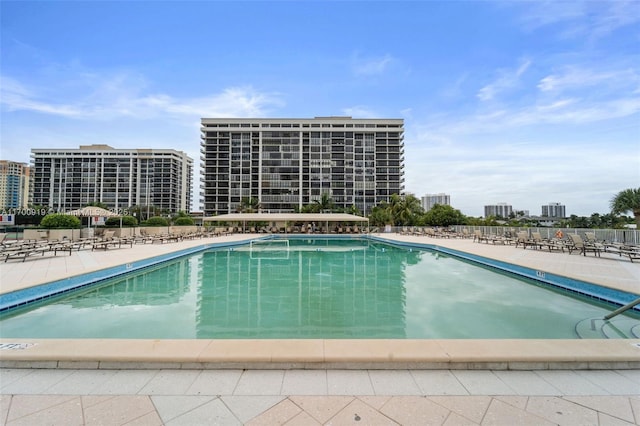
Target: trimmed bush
184, 221
126, 221
60, 221
156, 221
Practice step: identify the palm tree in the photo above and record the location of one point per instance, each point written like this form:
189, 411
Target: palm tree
405, 209
627, 200
324, 203
249, 205
352, 209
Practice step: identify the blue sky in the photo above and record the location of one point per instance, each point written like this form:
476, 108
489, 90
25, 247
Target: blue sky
517, 102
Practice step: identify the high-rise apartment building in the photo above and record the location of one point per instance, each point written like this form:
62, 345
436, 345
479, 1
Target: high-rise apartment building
430, 200
289, 163
498, 210
68, 179
14, 185
555, 210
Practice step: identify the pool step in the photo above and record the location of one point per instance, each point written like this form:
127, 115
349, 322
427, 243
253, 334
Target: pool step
615, 328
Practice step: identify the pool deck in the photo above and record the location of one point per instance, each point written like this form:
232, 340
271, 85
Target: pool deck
98, 381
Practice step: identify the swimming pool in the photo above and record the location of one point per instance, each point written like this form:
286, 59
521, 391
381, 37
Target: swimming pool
315, 288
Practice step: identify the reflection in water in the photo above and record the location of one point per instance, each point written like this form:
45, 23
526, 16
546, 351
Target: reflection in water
162, 285
317, 290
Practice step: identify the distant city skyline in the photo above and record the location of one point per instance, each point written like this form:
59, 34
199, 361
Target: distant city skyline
524, 102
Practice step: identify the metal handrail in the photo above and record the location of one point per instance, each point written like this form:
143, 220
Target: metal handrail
622, 309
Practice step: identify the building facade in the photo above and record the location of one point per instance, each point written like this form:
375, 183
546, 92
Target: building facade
554, 210
430, 200
503, 210
14, 185
68, 179
286, 164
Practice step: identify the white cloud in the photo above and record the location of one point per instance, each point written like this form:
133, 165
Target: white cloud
120, 96
578, 77
359, 111
370, 66
575, 135
580, 19
506, 80
479, 170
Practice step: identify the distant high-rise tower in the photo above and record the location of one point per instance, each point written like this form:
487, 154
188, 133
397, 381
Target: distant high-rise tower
556, 210
14, 185
288, 163
68, 179
430, 200
499, 210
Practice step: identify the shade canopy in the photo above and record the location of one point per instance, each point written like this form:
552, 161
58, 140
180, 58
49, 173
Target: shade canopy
92, 211
286, 217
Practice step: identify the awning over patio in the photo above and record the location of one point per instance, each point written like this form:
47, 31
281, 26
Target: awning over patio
286, 217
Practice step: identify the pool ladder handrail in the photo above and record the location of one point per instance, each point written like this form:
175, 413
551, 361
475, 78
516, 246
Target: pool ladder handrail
623, 309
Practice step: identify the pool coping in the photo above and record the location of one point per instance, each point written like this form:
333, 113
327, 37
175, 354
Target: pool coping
504, 354
522, 354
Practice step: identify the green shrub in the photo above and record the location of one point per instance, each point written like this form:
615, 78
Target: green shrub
60, 221
157, 221
183, 221
126, 221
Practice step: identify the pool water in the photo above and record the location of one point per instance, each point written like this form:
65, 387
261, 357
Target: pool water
315, 288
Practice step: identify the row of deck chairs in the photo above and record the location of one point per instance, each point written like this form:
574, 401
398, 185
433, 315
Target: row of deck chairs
144, 238
426, 231
570, 242
23, 249
108, 240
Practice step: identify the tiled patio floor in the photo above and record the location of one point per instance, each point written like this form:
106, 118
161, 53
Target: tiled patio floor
316, 397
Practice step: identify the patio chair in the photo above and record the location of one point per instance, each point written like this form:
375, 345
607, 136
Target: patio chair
523, 239
479, 237
578, 244
549, 244
590, 238
623, 250
466, 233
24, 250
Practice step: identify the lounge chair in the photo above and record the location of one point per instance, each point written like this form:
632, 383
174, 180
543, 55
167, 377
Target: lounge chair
623, 250
578, 244
23, 251
551, 245
429, 232
590, 238
523, 239
108, 240
479, 237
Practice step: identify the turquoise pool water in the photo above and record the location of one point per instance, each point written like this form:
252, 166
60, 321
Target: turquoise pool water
315, 288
